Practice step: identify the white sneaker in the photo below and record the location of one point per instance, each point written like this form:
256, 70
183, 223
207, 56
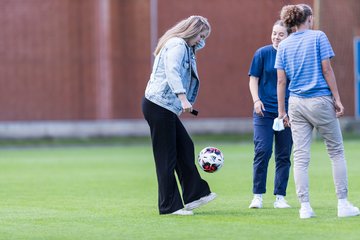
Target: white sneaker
347, 210
256, 202
306, 212
200, 202
182, 212
280, 202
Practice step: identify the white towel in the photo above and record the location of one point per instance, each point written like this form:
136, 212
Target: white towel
278, 124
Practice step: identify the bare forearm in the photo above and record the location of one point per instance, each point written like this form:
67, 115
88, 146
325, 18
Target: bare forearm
330, 78
254, 88
281, 91
331, 81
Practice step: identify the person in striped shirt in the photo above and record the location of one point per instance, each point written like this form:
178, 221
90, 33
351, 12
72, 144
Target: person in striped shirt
304, 60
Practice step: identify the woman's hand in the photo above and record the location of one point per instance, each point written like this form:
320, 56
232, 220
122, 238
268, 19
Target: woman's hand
259, 107
286, 121
339, 108
285, 118
185, 104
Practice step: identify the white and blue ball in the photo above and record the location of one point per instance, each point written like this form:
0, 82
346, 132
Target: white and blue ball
210, 159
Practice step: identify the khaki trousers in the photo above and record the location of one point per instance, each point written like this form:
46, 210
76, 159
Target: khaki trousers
306, 114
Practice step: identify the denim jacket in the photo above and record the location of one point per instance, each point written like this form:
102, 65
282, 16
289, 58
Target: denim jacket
174, 72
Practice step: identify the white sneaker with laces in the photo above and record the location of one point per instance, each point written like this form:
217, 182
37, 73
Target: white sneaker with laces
346, 209
306, 212
280, 202
202, 201
182, 212
256, 202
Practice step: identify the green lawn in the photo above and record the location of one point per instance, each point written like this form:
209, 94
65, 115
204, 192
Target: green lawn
102, 192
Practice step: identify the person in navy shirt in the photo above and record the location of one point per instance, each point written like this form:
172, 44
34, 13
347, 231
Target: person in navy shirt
263, 84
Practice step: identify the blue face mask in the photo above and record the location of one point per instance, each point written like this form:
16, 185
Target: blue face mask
200, 45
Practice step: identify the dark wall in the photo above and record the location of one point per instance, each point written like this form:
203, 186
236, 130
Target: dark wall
91, 59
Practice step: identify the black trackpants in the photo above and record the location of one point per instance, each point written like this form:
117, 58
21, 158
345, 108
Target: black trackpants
173, 151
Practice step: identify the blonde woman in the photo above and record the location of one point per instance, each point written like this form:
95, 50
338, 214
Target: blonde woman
172, 90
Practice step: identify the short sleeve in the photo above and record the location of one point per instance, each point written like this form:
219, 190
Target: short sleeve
326, 51
279, 64
256, 67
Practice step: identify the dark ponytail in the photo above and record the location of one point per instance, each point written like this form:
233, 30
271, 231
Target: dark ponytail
282, 24
295, 15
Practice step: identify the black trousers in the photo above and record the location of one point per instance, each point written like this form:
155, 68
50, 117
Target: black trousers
173, 152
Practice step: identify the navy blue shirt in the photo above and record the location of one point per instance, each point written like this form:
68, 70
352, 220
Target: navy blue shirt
262, 66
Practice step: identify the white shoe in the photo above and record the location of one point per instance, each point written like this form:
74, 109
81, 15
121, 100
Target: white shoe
200, 202
256, 202
182, 212
280, 202
347, 210
306, 212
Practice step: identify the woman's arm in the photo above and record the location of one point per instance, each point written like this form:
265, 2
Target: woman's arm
254, 90
173, 61
331, 81
281, 92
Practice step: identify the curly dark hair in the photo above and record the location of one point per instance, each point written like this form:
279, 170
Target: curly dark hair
295, 15
281, 23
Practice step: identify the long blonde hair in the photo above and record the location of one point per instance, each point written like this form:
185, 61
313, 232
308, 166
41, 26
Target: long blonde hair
185, 29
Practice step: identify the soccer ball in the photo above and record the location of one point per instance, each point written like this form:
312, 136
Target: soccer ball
210, 159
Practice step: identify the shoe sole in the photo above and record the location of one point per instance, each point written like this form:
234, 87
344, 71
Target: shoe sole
308, 216
200, 202
181, 214
255, 207
349, 215
282, 207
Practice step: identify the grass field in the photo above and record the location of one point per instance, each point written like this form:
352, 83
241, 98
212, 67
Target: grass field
110, 192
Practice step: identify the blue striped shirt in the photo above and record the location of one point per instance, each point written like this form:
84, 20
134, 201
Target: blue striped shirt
300, 56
